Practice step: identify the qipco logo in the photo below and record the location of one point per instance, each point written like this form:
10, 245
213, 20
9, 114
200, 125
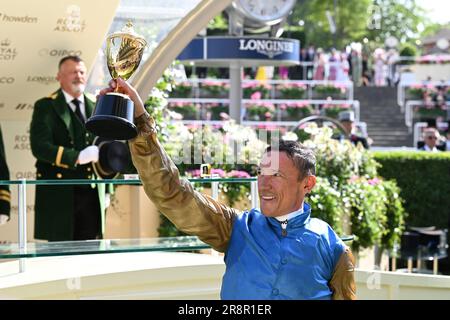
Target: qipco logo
7, 80
45, 52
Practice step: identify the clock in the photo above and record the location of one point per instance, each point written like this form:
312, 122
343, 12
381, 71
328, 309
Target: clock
258, 13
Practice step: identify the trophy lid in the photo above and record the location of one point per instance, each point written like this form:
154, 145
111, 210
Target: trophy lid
128, 32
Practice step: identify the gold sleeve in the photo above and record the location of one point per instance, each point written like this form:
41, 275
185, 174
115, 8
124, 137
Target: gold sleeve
343, 281
192, 212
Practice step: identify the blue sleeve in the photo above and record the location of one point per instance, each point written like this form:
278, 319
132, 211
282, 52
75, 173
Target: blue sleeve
333, 247
337, 246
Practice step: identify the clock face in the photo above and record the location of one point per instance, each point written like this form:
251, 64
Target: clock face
266, 10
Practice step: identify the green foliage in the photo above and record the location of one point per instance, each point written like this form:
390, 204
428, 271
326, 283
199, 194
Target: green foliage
415, 93
350, 21
216, 110
396, 18
366, 203
292, 92
332, 110
339, 161
356, 19
235, 192
429, 112
182, 90
326, 90
348, 187
256, 111
346, 184
395, 214
218, 25
408, 50
326, 204
296, 113
423, 178
188, 111
263, 89
168, 229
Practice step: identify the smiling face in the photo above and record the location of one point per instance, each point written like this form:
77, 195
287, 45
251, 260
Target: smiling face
431, 138
280, 185
72, 77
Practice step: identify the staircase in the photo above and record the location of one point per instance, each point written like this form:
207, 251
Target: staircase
385, 122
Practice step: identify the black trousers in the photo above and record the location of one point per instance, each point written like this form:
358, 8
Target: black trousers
87, 221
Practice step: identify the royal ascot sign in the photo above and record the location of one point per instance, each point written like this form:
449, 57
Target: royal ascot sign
72, 21
7, 51
33, 39
247, 51
34, 36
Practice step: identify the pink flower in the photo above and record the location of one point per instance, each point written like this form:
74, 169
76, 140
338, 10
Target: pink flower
193, 173
256, 95
238, 174
219, 172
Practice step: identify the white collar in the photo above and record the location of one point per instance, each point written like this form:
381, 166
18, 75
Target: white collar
427, 148
69, 98
291, 214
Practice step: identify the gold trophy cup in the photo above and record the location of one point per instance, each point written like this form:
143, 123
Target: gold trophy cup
114, 112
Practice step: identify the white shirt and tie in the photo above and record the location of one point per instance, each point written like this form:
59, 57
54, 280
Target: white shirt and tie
72, 104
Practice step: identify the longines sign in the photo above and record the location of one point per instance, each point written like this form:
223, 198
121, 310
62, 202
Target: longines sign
269, 48
42, 79
265, 50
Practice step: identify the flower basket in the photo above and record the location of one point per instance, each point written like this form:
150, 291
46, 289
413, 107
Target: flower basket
182, 90
234, 194
429, 112
214, 89
325, 91
333, 111
291, 91
415, 93
216, 109
252, 87
295, 111
188, 110
259, 111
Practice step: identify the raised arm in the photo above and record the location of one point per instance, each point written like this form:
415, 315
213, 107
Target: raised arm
191, 212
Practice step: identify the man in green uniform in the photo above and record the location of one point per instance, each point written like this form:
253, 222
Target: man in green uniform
5, 195
63, 149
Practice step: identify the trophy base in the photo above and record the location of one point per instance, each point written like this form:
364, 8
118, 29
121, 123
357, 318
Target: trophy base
113, 118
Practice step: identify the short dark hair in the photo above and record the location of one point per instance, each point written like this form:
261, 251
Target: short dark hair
73, 58
304, 158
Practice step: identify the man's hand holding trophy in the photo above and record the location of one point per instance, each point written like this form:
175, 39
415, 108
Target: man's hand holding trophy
114, 112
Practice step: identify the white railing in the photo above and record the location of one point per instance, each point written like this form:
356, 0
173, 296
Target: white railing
403, 86
309, 84
409, 111
354, 104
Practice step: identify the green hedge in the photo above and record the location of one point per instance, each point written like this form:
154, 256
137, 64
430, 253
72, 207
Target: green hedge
424, 180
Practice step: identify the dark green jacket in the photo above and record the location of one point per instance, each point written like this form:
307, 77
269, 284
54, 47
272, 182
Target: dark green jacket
5, 195
57, 137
